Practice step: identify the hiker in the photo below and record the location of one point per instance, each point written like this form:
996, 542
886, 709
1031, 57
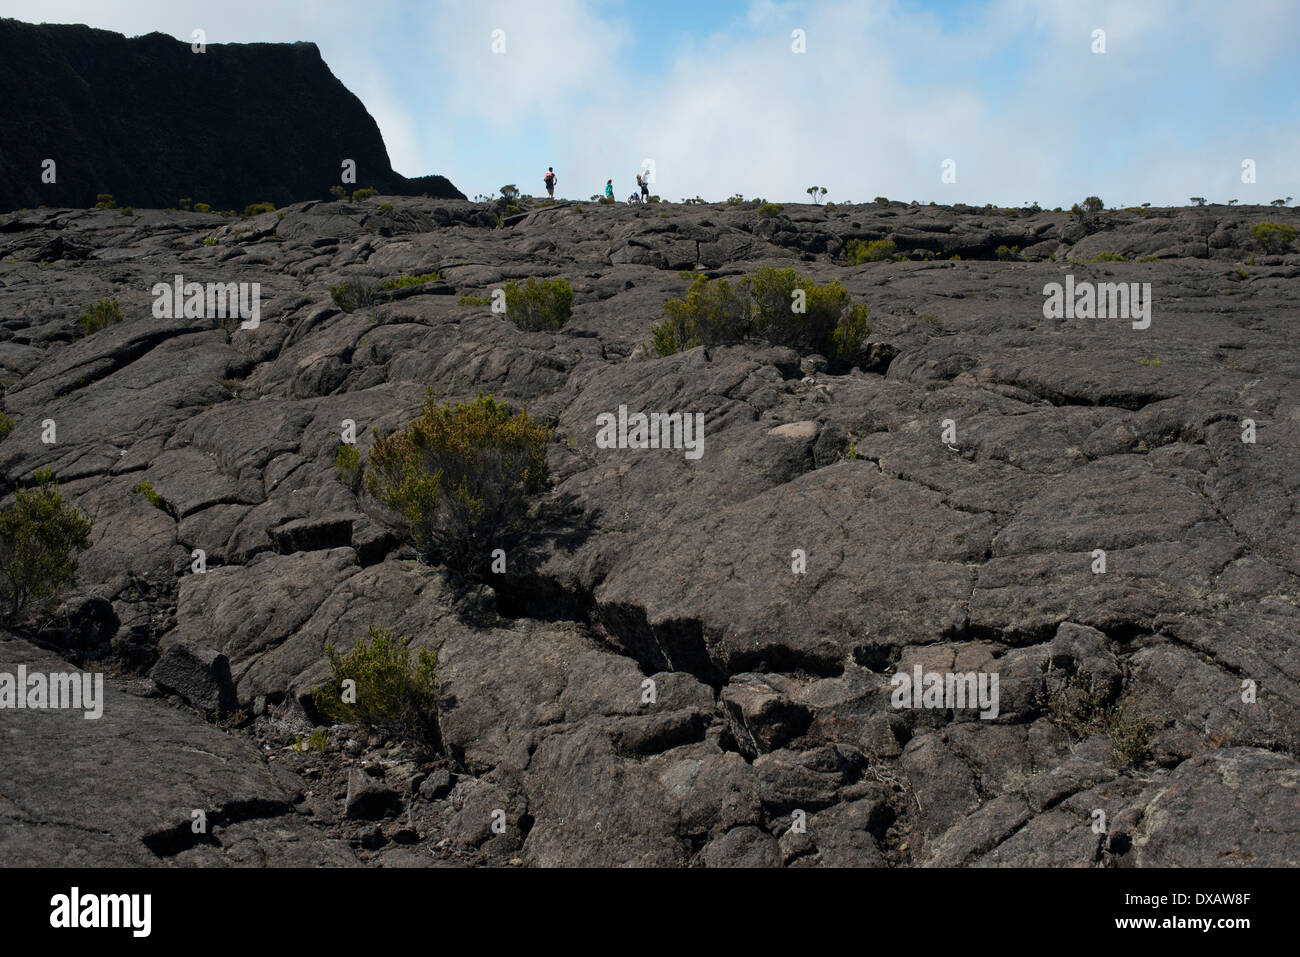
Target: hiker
549, 180
644, 183
634, 200
609, 189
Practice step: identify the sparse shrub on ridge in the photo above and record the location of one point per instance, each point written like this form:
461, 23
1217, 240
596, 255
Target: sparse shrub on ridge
876, 251
461, 477
387, 692
100, 315
353, 295
105, 201
256, 209
364, 193
151, 495
6, 424
761, 306
768, 210
347, 459
39, 533
403, 281
1273, 237
537, 306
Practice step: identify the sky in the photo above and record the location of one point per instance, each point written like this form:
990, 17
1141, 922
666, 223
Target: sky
716, 97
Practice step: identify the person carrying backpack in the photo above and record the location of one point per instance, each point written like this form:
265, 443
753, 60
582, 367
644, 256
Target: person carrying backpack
549, 180
609, 188
644, 183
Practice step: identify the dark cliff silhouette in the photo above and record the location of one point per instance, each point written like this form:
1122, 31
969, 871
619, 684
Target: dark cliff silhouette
150, 121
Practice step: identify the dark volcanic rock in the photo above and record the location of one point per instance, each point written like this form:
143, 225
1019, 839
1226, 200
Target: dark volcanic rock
694, 662
150, 121
199, 675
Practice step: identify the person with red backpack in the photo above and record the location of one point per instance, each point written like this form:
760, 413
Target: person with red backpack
549, 180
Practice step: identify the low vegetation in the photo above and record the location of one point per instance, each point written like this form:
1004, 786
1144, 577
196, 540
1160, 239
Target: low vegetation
876, 251
347, 459
256, 209
353, 295
537, 306
99, 316
1081, 707
461, 479
404, 281
377, 686
39, 536
1273, 237
776, 305
151, 495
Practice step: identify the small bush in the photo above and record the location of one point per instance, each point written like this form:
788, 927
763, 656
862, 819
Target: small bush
6, 424
735, 200
404, 281
545, 305
210, 241
461, 478
510, 193
151, 494
1093, 204
338, 192
105, 201
257, 209
202, 208
347, 459
694, 201
353, 295
128, 210
1079, 707
364, 193
386, 208
185, 203
714, 312
388, 692
878, 250
1108, 258
38, 534
768, 210
99, 316
881, 200
474, 300
1273, 237
1006, 253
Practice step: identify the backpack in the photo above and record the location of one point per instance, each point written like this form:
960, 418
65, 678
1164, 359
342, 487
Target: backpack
548, 179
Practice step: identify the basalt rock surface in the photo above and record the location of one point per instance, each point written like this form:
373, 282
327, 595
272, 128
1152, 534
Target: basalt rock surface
652, 682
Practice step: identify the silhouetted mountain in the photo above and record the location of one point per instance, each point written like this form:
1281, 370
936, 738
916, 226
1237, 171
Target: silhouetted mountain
150, 121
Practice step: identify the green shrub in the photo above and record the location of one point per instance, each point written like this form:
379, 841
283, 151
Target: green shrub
539, 305
105, 201
1273, 237
353, 295
151, 495
6, 424
185, 203
347, 459
1093, 204
128, 210
338, 192
768, 210
386, 208
474, 300
763, 305
386, 691
210, 241
881, 200
461, 478
101, 314
1108, 258
878, 250
1007, 253
256, 209
694, 201
364, 193
513, 210
202, 208
735, 200
279, 215
510, 193
404, 281
38, 534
